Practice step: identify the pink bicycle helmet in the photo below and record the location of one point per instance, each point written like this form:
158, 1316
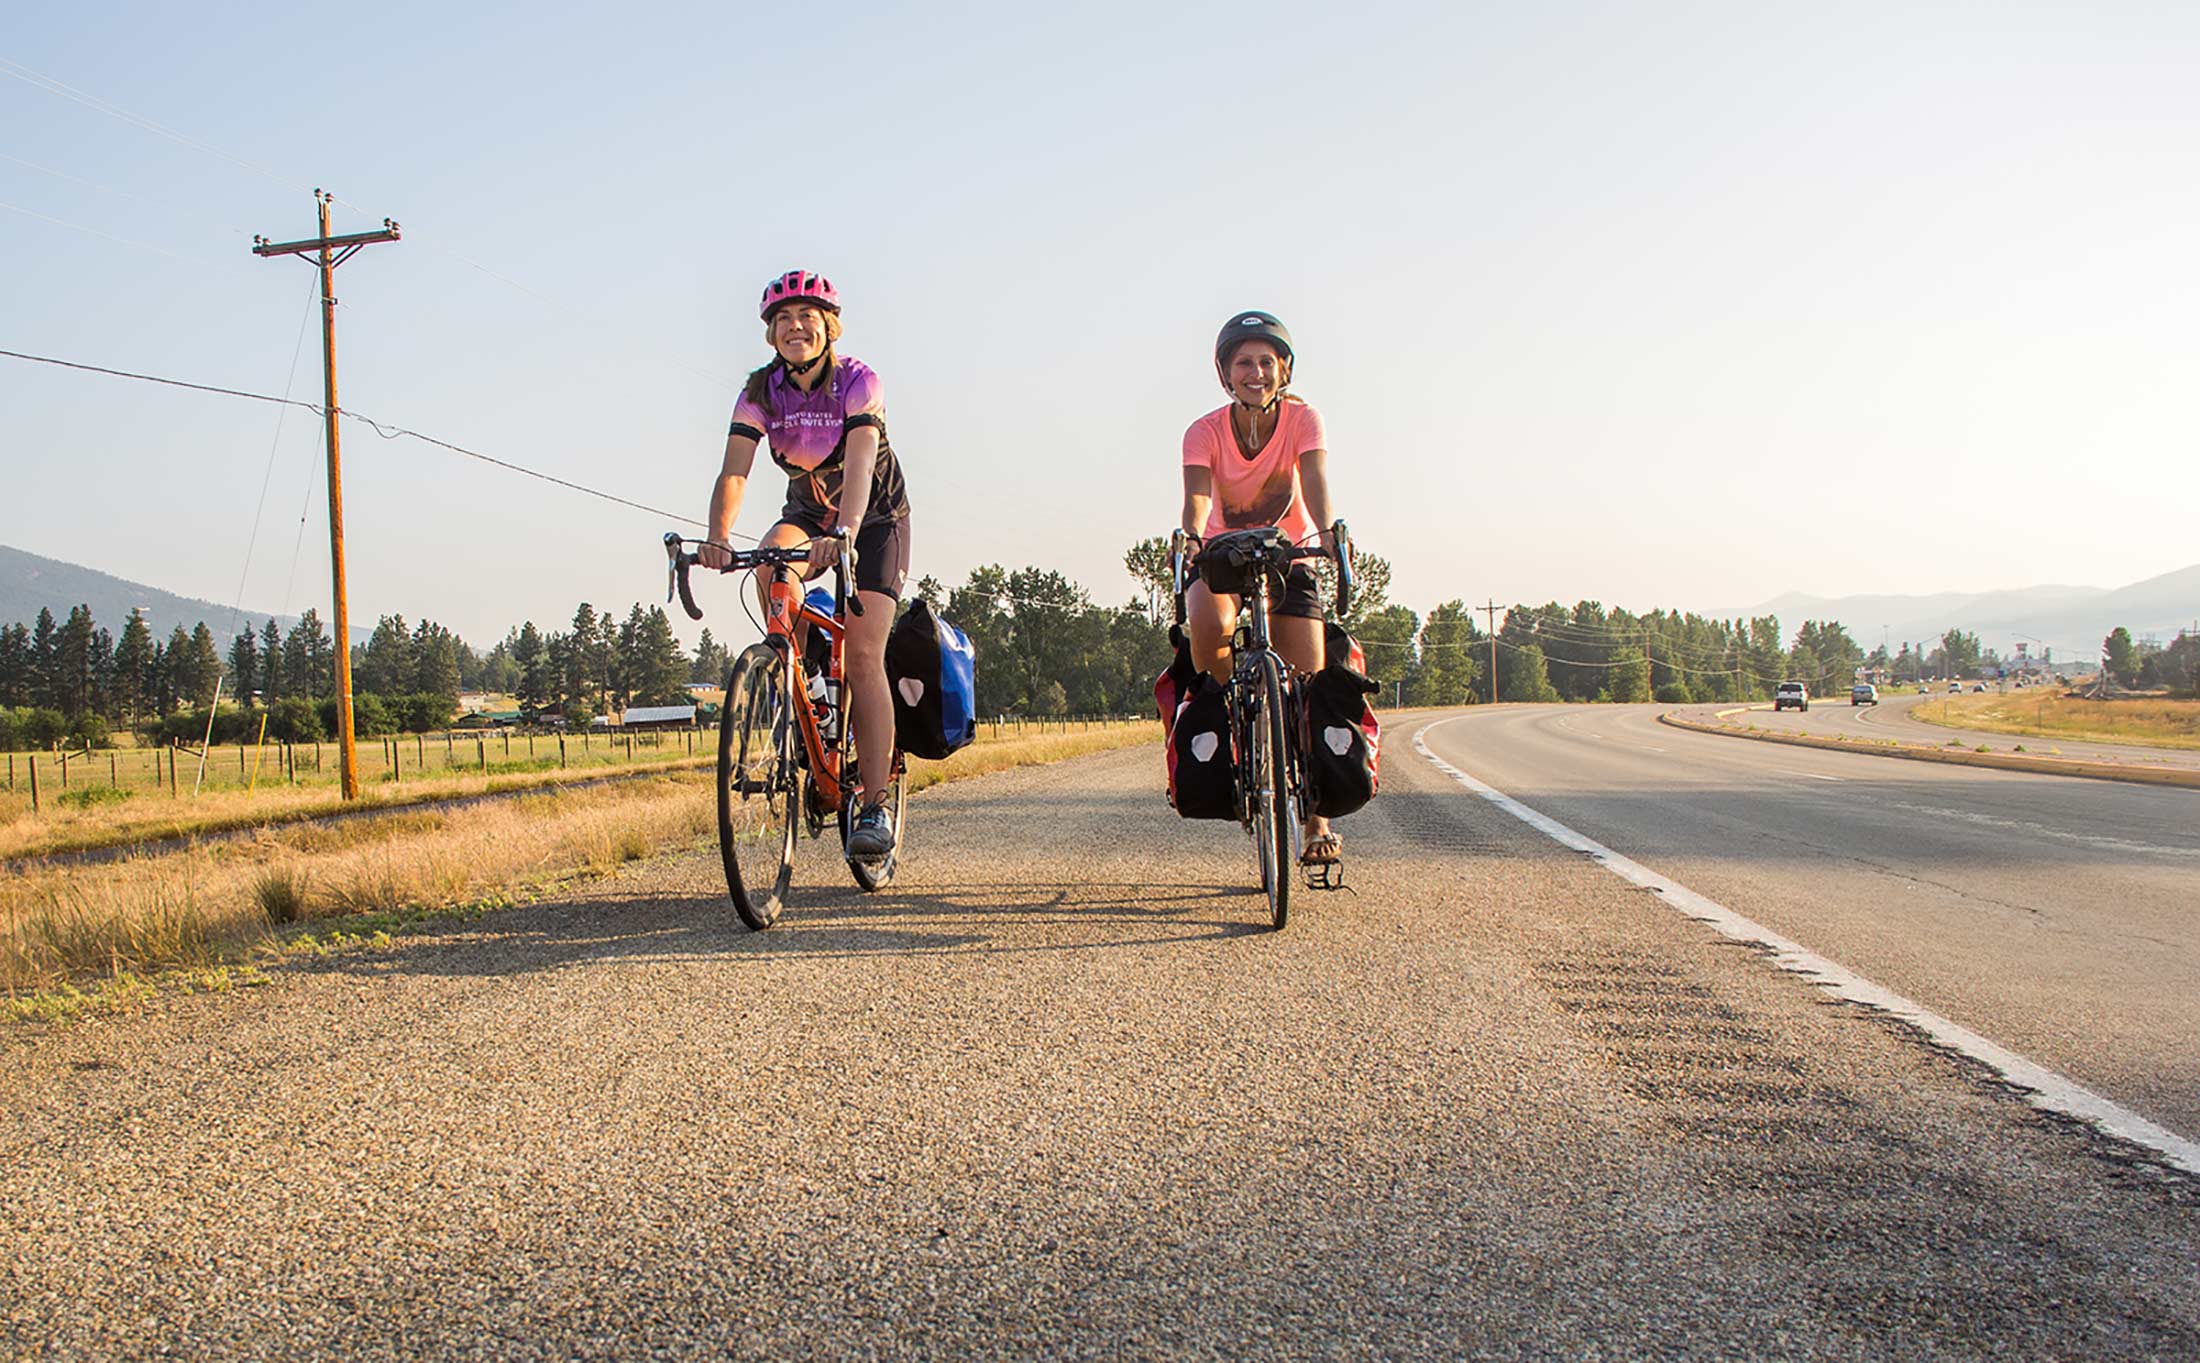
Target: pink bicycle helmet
799, 286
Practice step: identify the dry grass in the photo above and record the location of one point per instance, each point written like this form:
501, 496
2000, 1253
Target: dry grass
2154, 723
194, 908
147, 816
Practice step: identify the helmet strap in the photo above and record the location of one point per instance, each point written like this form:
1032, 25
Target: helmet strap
799, 370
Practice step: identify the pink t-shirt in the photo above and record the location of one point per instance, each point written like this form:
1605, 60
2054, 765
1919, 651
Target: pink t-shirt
1263, 490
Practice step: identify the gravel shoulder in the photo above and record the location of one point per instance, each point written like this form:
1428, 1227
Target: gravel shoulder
1066, 1100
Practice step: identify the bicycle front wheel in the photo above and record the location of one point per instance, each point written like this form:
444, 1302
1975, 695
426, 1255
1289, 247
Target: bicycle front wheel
1275, 812
875, 876
759, 784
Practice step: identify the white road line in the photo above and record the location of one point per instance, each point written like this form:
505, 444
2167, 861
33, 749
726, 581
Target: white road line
2049, 1090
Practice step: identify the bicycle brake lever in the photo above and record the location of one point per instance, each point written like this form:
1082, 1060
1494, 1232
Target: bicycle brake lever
676, 573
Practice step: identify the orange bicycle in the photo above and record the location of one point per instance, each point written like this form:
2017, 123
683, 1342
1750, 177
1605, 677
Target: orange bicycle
786, 748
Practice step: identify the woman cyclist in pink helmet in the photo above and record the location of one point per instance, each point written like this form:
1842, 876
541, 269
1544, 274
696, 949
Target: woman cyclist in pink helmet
824, 420
1260, 460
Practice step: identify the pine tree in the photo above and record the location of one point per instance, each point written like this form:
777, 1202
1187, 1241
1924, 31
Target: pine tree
536, 683
72, 664
133, 668
271, 664
244, 664
206, 667
44, 647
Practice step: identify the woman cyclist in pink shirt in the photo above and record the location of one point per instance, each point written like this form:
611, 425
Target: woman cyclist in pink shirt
824, 420
1260, 460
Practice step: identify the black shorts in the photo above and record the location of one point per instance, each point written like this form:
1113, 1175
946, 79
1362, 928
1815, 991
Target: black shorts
882, 552
1301, 595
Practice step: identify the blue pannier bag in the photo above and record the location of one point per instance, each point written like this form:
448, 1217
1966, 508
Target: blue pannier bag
934, 674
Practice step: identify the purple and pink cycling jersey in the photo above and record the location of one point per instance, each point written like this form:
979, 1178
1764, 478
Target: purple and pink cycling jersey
807, 434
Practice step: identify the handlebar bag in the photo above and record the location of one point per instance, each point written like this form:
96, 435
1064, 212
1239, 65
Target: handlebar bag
1343, 742
1228, 561
1202, 760
933, 670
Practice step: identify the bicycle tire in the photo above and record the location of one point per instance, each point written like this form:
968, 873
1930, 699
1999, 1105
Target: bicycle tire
872, 877
759, 784
1275, 815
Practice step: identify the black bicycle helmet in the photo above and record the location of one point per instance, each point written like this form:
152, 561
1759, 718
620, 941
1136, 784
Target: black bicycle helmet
1250, 326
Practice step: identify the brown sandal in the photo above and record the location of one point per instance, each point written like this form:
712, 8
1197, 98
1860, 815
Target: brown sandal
1323, 849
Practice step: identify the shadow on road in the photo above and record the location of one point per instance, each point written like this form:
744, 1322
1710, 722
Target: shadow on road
822, 922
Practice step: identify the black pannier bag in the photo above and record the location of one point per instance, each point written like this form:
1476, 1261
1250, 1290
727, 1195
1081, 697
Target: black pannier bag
1343, 741
1202, 761
933, 670
1175, 682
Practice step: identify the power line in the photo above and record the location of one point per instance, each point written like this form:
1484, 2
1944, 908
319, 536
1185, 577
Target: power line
387, 431
95, 232
115, 111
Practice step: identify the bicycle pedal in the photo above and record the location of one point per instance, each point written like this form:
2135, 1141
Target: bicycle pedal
1327, 875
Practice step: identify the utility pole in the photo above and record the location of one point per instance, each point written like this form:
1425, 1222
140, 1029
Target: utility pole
1491, 610
332, 252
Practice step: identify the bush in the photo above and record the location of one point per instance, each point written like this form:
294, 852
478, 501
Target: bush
89, 728
294, 719
423, 713
1674, 693
370, 716
41, 727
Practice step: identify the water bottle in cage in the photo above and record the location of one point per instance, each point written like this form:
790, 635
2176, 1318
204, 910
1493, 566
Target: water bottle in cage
826, 694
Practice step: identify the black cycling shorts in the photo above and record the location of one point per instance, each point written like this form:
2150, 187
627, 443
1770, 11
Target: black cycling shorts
1301, 595
882, 553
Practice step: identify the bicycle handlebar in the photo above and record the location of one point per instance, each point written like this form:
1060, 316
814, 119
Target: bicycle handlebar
679, 561
1183, 559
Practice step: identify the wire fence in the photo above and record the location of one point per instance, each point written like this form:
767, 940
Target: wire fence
85, 777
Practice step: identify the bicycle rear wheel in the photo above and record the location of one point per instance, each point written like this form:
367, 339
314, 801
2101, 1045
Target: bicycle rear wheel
1275, 812
759, 784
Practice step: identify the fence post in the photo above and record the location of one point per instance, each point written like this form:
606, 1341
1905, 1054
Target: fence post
11, 773
481, 750
420, 750
561, 752
172, 792
316, 757
114, 772
34, 783
397, 767
64, 767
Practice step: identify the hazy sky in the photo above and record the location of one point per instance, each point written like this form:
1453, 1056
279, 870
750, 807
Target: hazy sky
1679, 305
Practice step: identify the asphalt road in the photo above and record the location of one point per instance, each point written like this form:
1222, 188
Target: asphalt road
1059, 1093
1895, 717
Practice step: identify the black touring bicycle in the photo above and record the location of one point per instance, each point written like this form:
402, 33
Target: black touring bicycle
1265, 701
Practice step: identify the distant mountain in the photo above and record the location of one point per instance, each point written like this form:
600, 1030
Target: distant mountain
2071, 620
29, 582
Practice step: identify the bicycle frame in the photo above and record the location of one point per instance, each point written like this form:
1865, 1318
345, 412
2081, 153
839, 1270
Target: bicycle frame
787, 607
1240, 692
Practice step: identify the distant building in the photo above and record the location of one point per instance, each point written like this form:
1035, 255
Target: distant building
639, 718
